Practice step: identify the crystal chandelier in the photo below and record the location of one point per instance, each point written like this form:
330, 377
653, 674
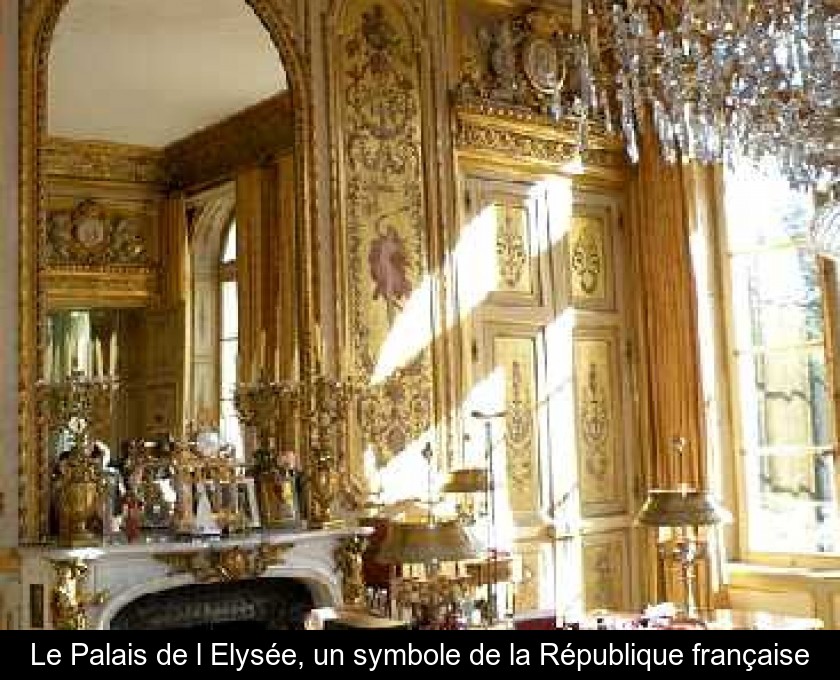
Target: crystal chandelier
722, 80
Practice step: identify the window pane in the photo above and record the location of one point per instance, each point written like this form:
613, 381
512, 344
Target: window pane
762, 210
777, 298
229, 429
229, 248
792, 504
785, 399
229, 310
228, 358
786, 413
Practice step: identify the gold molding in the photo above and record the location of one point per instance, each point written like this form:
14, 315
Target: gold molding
504, 135
37, 24
109, 286
226, 564
248, 137
85, 160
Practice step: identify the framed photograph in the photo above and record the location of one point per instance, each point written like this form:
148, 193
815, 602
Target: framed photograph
246, 501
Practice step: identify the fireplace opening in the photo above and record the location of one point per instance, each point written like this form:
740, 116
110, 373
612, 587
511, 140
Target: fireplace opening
255, 604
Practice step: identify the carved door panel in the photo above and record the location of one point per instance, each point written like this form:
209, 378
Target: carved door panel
503, 239
505, 299
507, 427
596, 550
548, 348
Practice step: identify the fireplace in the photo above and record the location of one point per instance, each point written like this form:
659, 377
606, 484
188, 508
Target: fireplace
253, 604
264, 581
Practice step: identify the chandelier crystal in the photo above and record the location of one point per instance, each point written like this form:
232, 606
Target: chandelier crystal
722, 80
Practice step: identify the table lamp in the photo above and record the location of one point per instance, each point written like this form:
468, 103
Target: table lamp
429, 544
684, 510
426, 543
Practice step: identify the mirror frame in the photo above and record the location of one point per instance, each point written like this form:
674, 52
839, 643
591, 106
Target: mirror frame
37, 24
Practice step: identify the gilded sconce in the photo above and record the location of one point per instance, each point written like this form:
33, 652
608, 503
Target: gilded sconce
68, 600
348, 558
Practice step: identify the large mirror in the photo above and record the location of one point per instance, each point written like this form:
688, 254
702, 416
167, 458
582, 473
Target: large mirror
172, 248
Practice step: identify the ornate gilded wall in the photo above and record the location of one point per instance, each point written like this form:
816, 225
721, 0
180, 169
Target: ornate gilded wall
384, 221
541, 294
495, 266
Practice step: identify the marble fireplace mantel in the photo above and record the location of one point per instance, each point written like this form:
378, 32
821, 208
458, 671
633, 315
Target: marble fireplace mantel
87, 587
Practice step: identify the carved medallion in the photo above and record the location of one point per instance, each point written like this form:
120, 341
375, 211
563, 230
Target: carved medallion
541, 62
91, 234
89, 227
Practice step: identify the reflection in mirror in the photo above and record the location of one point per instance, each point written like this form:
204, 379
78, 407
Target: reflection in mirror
88, 343
82, 340
146, 279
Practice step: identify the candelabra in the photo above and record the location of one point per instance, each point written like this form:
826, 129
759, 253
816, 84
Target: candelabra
322, 404
79, 407
324, 408
262, 405
265, 405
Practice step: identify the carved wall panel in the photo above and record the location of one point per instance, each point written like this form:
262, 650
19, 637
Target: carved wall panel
378, 105
163, 407
590, 261
601, 465
534, 577
99, 236
606, 579
93, 233
516, 358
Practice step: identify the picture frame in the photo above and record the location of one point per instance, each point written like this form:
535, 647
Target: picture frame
246, 502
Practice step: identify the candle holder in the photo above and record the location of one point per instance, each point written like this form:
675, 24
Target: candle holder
322, 404
78, 408
324, 409
263, 404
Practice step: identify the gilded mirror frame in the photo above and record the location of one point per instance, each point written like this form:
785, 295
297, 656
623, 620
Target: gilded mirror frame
37, 24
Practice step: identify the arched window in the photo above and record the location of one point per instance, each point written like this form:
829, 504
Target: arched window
228, 339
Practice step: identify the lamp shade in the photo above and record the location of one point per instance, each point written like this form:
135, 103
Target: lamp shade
681, 507
424, 542
467, 480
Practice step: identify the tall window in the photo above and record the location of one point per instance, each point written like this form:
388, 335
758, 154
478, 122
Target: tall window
785, 422
228, 339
